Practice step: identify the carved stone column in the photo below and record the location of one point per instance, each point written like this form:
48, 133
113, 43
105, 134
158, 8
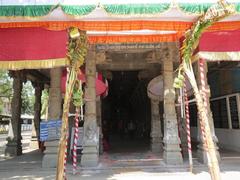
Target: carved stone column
183, 134
54, 113
91, 136
37, 116
156, 132
202, 157
99, 122
172, 152
14, 144
182, 124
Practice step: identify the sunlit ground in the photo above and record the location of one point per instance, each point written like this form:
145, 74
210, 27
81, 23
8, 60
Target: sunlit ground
28, 167
140, 175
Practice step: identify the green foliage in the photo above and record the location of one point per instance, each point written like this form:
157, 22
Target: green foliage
5, 84
77, 50
178, 81
5, 90
77, 47
44, 102
77, 94
28, 99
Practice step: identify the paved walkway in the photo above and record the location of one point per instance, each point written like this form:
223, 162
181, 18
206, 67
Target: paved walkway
117, 166
28, 166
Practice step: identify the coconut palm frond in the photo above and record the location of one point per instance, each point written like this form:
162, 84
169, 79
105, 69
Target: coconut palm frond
214, 13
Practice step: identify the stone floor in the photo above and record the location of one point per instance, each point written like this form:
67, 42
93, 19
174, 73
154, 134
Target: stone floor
117, 166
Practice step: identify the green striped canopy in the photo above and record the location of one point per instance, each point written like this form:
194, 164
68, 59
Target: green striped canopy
113, 9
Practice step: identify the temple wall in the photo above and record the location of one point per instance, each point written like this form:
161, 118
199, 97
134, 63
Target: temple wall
228, 138
223, 82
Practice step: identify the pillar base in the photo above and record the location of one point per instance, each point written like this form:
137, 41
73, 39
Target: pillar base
90, 156
156, 146
89, 160
100, 144
13, 149
184, 148
49, 161
172, 155
172, 158
50, 158
34, 143
202, 155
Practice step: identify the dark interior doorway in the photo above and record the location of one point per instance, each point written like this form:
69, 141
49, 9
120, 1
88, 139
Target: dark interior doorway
126, 113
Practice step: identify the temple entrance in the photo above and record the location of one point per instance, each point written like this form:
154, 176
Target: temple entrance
126, 114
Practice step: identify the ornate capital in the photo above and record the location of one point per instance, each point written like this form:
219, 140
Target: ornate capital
155, 101
18, 74
38, 85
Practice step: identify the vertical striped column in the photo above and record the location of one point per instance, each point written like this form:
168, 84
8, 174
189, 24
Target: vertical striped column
75, 140
65, 159
203, 92
204, 97
203, 81
188, 127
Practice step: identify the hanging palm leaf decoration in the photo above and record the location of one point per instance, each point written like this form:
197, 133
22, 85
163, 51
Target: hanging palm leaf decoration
213, 14
192, 36
77, 50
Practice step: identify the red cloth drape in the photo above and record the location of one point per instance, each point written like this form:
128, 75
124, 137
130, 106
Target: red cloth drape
22, 48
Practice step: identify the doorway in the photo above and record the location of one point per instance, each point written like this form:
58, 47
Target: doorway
126, 116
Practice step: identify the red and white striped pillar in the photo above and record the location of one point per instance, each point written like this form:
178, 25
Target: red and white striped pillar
187, 116
204, 96
65, 159
76, 132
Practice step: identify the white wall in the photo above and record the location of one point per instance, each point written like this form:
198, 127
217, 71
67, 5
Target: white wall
228, 138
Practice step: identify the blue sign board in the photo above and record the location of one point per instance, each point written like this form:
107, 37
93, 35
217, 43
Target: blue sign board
50, 130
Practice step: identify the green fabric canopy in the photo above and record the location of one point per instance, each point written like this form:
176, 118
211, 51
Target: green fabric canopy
26, 11
78, 10
200, 8
194, 8
113, 9
136, 9
237, 6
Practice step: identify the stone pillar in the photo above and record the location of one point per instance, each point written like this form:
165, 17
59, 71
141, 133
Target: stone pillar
172, 152
183, 135
54, 113
202, 157
37, 116
90, 153
156, 132
14, 144
99, 122
182, 125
